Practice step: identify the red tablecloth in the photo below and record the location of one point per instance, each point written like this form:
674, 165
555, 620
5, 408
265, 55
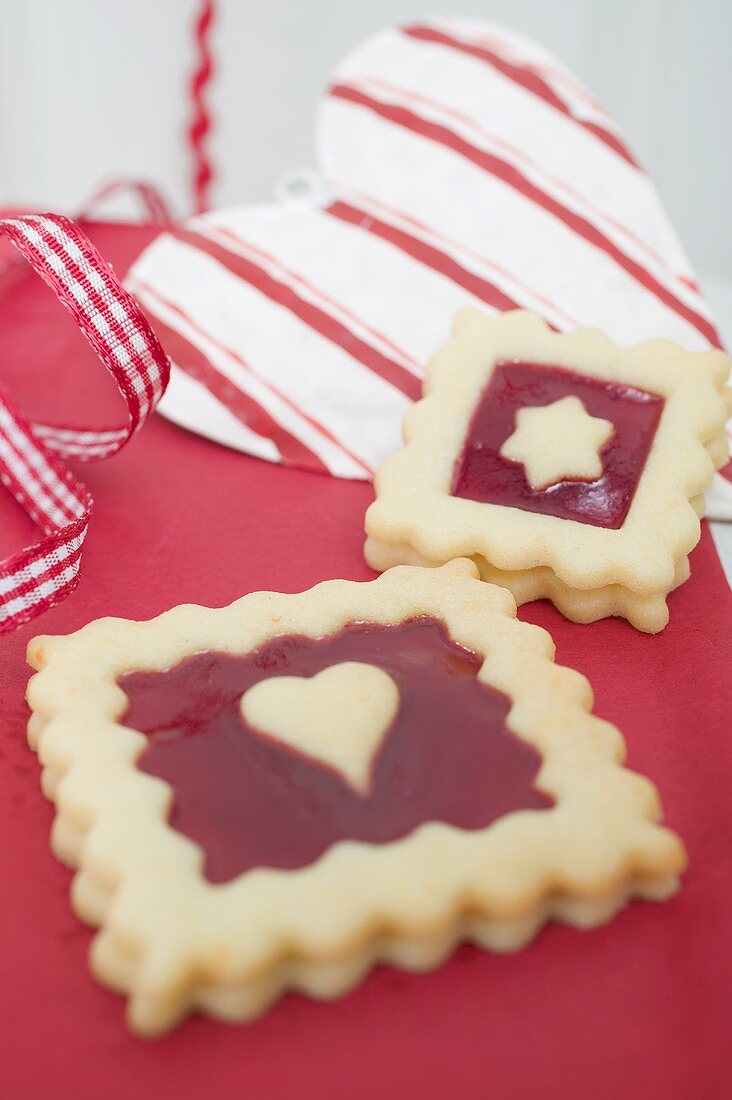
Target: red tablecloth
641, 1008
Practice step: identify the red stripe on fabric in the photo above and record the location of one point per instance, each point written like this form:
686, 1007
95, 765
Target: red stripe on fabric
34, 608
34, 509
147, 363
116, 329
506, 47
527, 78
426, 254
83, 311
46, 464
52, 573
146, 353
119, 331
49, 544
310, 314
485, 261
29, 558
37, 510
511, 176
240, 242
198, 366
515, 155
316, 425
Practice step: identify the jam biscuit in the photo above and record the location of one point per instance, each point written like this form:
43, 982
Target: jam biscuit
280, 793
564, 466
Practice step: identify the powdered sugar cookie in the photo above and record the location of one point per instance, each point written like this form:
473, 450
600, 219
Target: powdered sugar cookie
564, 466
280, 793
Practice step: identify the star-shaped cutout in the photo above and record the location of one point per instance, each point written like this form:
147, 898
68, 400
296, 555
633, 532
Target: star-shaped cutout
558, 442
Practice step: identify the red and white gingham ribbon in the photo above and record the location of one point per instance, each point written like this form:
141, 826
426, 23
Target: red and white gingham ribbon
41, 575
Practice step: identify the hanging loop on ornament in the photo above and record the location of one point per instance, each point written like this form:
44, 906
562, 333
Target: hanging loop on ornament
304, 186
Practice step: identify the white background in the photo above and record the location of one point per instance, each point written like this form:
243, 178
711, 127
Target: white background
91, 89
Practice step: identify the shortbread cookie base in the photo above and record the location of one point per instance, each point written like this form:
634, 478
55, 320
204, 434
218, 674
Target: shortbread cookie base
174, 942
414, 953
648, 614
116, 965
120, 965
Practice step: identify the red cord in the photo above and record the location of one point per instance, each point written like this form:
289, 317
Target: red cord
150, 197
200, 126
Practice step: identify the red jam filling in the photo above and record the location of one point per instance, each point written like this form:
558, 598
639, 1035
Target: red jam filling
482, 474
251, 801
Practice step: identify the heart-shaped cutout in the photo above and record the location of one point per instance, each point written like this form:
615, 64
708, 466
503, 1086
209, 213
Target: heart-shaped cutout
462, 165
338, 717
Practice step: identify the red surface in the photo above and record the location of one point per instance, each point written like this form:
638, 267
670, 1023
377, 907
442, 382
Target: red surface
250, 800
641, 1008
483, 474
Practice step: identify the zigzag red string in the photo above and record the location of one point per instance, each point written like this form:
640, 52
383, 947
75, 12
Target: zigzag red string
31, 469
201, 122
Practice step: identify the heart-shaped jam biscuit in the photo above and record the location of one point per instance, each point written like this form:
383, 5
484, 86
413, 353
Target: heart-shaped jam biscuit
338, 717
273, 759
408, 768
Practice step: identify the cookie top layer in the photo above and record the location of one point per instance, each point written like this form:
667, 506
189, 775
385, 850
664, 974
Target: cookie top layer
486, 471
582, 826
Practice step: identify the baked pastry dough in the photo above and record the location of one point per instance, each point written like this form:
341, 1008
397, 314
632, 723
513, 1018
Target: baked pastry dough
232, 839
564, 466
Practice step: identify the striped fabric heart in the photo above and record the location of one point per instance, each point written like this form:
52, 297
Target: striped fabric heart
461, 164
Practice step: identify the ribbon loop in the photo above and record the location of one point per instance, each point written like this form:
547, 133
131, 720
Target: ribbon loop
31, 469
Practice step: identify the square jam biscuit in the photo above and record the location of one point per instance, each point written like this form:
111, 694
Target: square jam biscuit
281, 793
563, 466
